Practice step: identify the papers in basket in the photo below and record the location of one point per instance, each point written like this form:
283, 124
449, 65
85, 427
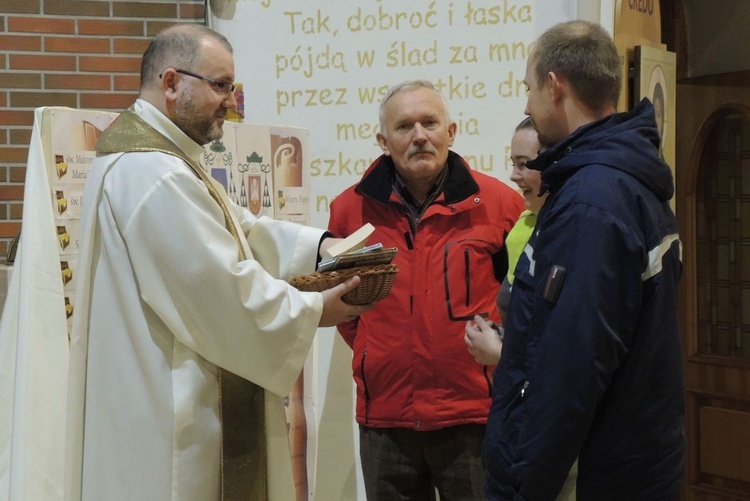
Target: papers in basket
366, 256
351, 252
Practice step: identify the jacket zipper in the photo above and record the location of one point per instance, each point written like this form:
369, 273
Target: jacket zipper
409, 245
518, 396
467, 277
488, 380
366, 391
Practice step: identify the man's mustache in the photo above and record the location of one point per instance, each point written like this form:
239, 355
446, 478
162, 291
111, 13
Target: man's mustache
416, 150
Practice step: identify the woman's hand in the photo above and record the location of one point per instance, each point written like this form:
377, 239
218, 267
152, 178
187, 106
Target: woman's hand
484, 339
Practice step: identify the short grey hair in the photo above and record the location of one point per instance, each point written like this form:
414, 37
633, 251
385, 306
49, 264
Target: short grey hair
409, 85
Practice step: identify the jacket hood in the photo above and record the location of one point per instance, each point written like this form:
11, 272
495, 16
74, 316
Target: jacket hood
628, 142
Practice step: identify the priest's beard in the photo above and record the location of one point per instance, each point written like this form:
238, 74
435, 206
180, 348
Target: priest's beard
200, 128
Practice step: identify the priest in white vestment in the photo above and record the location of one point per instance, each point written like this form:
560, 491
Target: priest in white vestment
177, 282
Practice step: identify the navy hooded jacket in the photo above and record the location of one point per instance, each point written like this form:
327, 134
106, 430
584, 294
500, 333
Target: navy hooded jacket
591, 365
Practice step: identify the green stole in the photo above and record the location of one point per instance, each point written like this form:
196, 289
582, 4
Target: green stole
241, 403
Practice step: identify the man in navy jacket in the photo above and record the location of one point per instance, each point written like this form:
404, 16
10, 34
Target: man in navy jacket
591, 367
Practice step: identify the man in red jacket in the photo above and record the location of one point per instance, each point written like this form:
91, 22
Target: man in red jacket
422, 400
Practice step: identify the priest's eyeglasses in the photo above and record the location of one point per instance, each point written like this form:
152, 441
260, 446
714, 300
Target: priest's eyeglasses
222, 88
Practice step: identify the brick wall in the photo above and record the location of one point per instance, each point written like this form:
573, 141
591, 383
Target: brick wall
76, 53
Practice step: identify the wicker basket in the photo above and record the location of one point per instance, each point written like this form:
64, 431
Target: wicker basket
376, 282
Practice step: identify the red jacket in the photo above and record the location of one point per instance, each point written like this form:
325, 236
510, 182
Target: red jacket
411, 365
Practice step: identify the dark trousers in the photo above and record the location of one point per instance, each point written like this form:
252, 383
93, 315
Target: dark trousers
405, 464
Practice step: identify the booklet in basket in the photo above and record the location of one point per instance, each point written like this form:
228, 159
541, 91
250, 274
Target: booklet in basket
353, 242
351, 257
367, 256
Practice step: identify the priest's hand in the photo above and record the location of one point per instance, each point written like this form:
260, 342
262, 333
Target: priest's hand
336, 311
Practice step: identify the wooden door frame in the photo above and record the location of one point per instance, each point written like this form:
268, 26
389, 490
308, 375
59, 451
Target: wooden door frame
687, 214
700, 393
